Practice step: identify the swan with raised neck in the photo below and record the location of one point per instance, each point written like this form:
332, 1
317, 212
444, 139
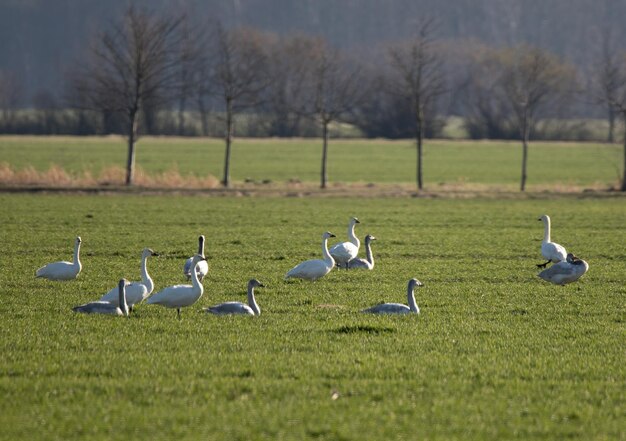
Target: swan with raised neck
63, 270
180, 296
252, 308
136, 292
203, 267
120, 307
552, 251
399, 308
343, 252
367, 263
316, 268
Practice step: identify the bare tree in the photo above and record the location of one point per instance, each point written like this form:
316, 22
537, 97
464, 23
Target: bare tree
131, 64
335, 88
417, 75
532, 79
238, 77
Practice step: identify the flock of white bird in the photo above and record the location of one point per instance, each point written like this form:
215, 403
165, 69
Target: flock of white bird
121, 299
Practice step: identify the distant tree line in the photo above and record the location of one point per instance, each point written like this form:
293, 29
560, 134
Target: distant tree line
153, 72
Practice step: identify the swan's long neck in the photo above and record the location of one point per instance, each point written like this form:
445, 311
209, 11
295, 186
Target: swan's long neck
252, 301
352, 237
201, 247
327, 257
546, 230
145, 277
368, 251
411, 299
122, 299
195, 281
76, 261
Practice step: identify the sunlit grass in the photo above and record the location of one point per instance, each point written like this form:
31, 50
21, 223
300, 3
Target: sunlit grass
495, 354
446, 163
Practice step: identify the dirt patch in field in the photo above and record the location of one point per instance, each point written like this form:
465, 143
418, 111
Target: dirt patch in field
111, 181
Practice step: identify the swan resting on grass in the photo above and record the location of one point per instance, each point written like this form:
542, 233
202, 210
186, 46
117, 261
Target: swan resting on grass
345, 251
364, 263
565, 272
180, 296
136, 292
62, 270
102, 307
317, 268
552, 251
252, 308
399, 308
202, 268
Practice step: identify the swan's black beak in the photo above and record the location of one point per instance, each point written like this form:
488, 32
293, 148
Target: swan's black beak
332, 235
155, 254
538, 219
261, 285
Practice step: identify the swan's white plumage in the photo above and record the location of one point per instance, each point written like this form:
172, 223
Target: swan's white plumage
102, 307
553, 252
202, 268
180, 296
367, 263
252, 308
564, 272
399, 308
317, 268
62, 270
345, 251
136, 292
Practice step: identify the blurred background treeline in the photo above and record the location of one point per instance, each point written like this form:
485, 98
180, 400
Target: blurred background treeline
50, 48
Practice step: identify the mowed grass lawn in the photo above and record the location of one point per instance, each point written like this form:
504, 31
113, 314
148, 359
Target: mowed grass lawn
496, 353
367, 161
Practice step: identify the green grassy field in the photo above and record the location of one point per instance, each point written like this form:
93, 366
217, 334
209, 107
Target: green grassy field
495, 354
367, 161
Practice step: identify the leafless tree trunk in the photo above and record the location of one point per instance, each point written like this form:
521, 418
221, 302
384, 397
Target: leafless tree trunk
418, 77
229, 140
324, 174
525, 129
239, 78
334, 90
531, 79
623, 187
132, 63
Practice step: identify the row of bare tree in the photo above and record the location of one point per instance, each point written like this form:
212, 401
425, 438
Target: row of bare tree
153, 60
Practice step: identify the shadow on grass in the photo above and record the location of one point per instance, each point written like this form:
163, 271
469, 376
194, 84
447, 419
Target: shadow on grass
366, 329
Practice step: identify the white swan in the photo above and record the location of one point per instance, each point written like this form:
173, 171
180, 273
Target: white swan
345, 251
62, 270
202, 268
252, 308
567, 271
136, 292
399, 308
550, 250
364, 263
102, 307
314, 269
180, 296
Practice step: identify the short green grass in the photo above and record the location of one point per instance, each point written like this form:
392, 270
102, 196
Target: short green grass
495, 354
366, 161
